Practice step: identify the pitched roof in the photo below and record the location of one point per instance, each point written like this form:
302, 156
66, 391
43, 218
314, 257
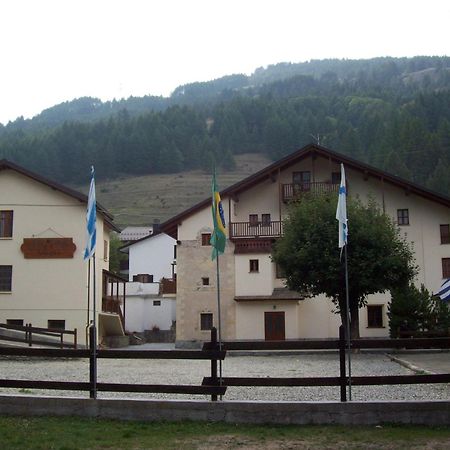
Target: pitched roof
8, 165
171, 225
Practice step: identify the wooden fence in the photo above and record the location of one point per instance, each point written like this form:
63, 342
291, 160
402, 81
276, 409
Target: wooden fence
214, 385
27, 334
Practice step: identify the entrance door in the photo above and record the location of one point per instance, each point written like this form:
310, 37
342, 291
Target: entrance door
274, 326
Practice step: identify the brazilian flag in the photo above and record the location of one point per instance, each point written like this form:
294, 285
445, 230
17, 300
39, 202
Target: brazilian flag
218, 238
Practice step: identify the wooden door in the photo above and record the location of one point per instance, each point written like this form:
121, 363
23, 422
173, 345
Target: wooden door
274, 326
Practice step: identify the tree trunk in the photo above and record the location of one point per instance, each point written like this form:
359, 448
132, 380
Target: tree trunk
354, 320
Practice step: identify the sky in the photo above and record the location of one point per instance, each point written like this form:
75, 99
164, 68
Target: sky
57, 50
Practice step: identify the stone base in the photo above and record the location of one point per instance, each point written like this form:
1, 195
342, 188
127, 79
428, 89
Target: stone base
116, 341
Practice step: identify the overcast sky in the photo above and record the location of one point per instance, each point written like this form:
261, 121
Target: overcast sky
58, 50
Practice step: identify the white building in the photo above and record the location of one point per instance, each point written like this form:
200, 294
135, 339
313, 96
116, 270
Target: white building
43, 277
255, 302
150, 297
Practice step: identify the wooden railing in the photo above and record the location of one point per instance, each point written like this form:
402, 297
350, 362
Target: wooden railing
248, 229
342, 380
214, 351
28, 334
113, 297
94, 385
292, 191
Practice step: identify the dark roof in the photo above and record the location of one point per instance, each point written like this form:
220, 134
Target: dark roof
171, 225
5, 165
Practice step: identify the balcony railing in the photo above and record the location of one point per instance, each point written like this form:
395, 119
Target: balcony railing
249, 229
293, 191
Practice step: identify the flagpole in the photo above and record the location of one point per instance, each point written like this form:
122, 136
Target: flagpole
219, 317
88, 300
347, 302
94, 324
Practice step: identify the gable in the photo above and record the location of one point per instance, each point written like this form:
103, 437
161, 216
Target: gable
304, 158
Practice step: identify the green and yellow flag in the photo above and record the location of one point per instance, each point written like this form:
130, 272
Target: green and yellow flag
219, 237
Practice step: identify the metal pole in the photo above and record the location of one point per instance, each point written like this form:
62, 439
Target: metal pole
94, 333
88, 299
348, 328
219, 317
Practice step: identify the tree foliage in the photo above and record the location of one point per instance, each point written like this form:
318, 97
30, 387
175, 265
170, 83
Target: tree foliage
379, 259
393, 113
416, 310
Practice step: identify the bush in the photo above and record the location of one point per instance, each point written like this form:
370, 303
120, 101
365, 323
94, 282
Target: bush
417, 311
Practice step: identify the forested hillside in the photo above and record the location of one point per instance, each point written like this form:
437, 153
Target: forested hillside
391, 113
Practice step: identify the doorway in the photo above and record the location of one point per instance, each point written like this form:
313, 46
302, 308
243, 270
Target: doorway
274, 326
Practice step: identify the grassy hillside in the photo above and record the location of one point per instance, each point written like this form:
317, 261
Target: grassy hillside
141, 200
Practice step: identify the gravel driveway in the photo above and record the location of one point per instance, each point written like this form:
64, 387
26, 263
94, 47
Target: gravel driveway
192, 372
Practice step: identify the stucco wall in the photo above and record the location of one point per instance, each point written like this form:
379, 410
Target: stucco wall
45, 289
153, 255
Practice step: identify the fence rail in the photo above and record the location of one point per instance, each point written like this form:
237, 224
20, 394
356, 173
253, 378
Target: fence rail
214, 385
30, 332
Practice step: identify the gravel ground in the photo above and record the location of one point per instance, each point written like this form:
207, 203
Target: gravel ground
192, 372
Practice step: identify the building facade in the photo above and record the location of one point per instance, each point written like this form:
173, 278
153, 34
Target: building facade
43, 277
150, 301
255, 304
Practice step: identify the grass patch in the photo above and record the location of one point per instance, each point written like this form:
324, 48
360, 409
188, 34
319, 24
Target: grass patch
75, 433
142, 199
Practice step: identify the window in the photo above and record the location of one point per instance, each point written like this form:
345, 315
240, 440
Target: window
445, 234
253, 219
143, 278
279, 271
56, 324
5, 278
206, 321
254, 265
375, 316
156, 302
445, 267
18, 322
206, 238
6, 224
174, 252
265, 220
301, 181
335, 177
402, 216
205, 281
105, 250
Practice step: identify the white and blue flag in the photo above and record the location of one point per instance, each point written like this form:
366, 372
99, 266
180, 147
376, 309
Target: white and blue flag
341, 211
91, 220
444, 292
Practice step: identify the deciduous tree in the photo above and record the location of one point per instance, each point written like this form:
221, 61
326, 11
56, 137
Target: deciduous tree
379, 259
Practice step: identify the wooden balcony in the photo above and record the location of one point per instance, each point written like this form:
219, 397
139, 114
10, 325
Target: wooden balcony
113, 294
272, 229
293, 191
243, 246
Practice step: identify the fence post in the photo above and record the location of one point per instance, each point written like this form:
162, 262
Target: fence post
342, 374
92, 363
214, 347
28, 335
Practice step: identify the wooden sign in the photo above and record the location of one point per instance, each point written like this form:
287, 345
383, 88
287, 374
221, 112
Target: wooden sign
48, 248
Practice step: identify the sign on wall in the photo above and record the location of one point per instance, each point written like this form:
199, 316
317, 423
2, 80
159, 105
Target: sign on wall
48, 248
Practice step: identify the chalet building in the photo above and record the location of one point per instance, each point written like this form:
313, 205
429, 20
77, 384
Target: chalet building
43, 277
255, 304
